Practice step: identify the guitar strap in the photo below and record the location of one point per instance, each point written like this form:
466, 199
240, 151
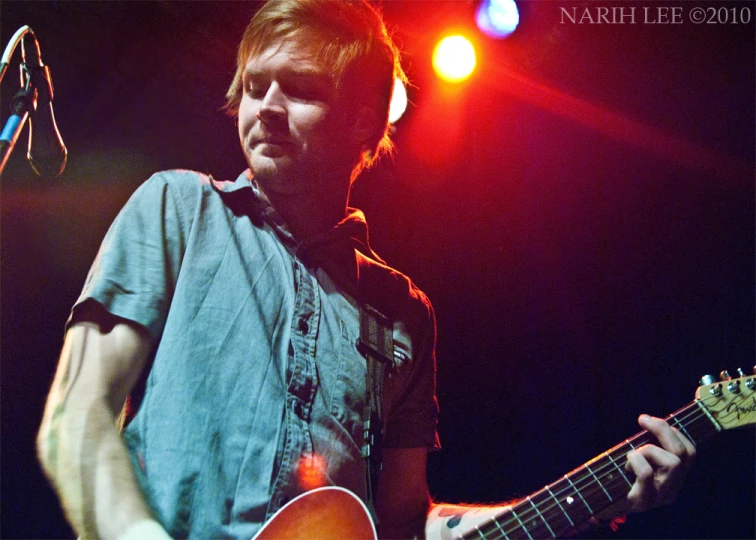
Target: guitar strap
378, 310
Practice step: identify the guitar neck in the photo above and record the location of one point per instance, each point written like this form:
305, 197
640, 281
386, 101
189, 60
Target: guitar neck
559, 508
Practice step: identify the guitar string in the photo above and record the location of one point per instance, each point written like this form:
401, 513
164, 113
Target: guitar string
538, 516
584, 482
687, 416
684, 417
548, 515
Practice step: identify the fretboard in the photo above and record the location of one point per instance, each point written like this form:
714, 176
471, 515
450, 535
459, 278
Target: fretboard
559, 508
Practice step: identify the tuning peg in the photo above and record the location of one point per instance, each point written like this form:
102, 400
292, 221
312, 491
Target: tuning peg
707, 380
750, 383
724, 375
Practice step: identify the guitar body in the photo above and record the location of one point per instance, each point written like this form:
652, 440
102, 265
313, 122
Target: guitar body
323, 513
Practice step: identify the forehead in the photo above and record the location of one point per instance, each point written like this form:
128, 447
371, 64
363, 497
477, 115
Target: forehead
286, 56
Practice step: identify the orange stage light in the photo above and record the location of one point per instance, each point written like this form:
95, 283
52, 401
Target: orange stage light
454, 58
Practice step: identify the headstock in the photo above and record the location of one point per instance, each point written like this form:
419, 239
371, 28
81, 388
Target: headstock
731, 402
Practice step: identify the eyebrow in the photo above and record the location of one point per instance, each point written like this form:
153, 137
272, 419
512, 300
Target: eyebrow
299, 72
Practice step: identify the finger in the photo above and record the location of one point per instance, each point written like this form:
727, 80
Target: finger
660, 460
690, 449
668, 439
642, 494
667, 476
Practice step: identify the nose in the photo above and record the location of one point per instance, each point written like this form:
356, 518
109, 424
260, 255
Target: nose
273, 105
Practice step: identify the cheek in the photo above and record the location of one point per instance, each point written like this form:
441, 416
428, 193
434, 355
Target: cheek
308, 120
246, 118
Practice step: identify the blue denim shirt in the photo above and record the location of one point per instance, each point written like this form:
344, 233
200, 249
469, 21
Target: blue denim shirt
256, 390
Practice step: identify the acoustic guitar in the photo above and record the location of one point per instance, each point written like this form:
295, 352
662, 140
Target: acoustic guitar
555, 511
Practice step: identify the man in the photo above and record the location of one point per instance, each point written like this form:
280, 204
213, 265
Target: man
260, 325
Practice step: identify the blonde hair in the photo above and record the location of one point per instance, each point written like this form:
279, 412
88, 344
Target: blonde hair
349, 38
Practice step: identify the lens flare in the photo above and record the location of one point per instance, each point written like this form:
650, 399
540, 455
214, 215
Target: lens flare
497, 18
454, 59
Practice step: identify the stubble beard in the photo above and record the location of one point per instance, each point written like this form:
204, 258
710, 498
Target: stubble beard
277, 177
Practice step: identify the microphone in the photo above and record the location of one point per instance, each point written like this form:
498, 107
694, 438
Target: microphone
47, 154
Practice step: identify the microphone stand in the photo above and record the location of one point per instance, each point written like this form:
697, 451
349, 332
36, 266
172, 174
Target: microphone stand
23, 104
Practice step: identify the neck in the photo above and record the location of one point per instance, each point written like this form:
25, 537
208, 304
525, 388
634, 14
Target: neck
307, 215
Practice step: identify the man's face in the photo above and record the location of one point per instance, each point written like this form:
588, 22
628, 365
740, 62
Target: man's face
290, 128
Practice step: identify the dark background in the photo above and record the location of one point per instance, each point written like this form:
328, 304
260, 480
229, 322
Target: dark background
581, 213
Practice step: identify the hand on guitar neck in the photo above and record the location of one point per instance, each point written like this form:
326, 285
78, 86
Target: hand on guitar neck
644, 471
659, 470
656, 472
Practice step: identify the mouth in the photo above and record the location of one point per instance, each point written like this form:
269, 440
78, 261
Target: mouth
270, 140
270, 146
273, 141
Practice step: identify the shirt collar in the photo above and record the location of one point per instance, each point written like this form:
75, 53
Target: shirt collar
353, 227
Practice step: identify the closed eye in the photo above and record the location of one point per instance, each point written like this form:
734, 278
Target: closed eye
255, 89
306, 92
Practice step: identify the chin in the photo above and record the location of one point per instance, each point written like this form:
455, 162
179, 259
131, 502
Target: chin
275, 180
265, 167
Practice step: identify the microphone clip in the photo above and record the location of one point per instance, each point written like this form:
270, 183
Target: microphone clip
46, 153
37, 77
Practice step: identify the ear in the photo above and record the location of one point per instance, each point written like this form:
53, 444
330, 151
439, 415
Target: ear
366, 124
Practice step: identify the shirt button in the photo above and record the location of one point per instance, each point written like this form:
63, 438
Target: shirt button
303, 326
298, 409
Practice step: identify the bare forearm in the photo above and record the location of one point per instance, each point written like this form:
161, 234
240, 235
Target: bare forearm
86, 460
79, 446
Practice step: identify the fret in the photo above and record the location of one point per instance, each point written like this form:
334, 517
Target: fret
480, 534
564, 491
590, 510
541, 516
598, 481
716, 425
634, 443
572, 523
498, 526
557, 520
698, 427
619, 469
681, 427
491, 528
522, 525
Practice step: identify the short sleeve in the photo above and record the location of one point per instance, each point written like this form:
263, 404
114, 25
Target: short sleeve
135, 271
411, 420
